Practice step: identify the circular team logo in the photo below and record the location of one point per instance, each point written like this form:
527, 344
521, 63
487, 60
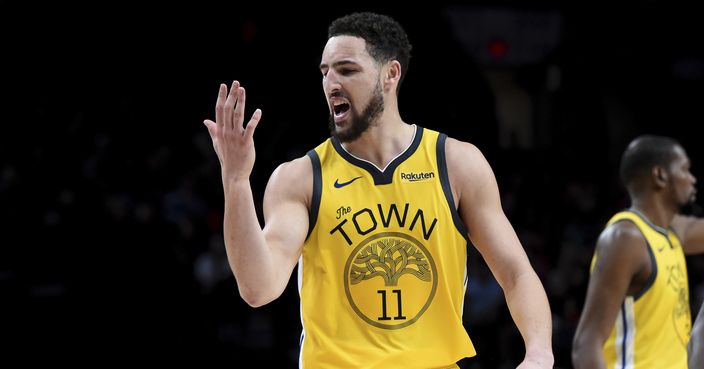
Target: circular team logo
682, 318
390, 280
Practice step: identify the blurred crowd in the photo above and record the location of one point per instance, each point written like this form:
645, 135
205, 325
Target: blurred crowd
111, 201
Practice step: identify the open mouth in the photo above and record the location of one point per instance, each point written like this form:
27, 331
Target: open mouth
340, 108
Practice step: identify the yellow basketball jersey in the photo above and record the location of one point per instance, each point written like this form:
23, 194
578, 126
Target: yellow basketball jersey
383, 272
652, 328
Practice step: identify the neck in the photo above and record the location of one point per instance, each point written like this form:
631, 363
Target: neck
385, 139
656, 211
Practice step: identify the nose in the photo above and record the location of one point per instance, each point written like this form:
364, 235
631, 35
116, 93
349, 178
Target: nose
331, 82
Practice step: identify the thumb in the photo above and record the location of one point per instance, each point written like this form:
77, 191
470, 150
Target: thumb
211, 126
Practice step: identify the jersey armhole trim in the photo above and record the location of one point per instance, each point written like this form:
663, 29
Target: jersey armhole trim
317, 191
446, 188
654, 272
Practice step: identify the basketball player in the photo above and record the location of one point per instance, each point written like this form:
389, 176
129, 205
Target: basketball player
378, 219
636, 314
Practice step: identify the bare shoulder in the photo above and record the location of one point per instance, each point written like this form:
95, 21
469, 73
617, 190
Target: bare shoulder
292, 180
471, 177
465, 161
623, 258
621, 241
463, 157
297, 167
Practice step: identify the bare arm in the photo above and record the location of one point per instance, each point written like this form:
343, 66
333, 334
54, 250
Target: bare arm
480, 207
621, 268
696, 343
690, 231
261, 260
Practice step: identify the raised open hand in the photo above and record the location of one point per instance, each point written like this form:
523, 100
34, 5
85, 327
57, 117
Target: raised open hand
232, 141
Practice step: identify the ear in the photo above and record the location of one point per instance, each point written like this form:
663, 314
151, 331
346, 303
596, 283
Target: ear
660, 176
392, 75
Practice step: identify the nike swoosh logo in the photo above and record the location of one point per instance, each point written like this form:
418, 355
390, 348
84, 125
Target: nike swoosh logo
660, 249
343, 184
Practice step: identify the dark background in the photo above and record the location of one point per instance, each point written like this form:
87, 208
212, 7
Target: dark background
110, 192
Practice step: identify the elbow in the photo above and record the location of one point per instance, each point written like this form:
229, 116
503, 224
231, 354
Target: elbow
578, 354
575, 358
259, 290
256, 297
254, 302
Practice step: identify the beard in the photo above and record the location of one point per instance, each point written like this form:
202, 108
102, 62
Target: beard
691, 208
359, 122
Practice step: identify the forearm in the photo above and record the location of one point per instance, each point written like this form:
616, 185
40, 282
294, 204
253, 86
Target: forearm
696, 355
530, 311
587, 356
250, 259
695, 349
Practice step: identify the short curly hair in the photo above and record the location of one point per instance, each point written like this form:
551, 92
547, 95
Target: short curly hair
384, 37
644, 153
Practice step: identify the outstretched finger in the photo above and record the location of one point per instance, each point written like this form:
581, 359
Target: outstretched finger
220, 105
230, 103
252, 124
238, 114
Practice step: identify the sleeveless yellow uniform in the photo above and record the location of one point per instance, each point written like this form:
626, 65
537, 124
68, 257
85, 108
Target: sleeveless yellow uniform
383, 272
653, 327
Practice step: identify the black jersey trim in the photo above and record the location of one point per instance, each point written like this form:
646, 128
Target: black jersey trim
317, 191
387, 176
654, 272
446, 188
647, 221
657, 228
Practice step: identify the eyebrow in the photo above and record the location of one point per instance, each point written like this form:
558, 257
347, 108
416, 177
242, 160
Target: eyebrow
337, 64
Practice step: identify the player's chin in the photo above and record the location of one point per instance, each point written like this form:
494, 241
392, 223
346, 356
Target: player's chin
342, 125
692, 195
342, 120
